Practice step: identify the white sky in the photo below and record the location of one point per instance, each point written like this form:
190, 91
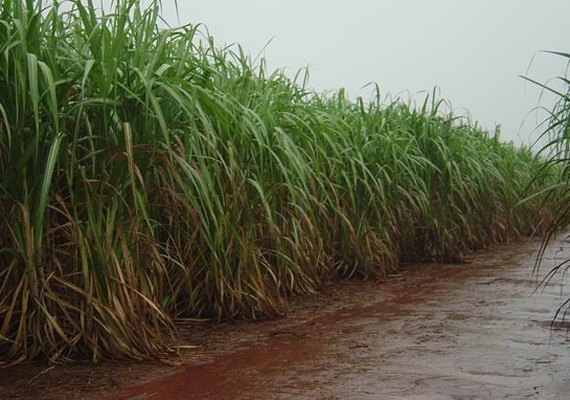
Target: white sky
473, 50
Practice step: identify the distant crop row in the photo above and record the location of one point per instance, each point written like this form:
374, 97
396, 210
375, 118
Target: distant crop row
148, 175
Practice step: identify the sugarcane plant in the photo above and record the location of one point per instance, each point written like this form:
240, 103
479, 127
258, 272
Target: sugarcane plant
553, 145
148, 174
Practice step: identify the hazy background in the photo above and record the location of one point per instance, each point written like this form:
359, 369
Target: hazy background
474, 51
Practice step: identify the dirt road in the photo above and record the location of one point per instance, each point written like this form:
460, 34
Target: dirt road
469, 331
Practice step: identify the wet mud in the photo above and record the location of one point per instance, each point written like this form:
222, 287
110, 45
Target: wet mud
477, 330
471, 331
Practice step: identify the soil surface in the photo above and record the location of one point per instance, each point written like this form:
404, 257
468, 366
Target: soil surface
477, 330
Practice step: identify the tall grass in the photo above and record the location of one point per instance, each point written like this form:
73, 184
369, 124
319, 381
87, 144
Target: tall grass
147, 175
555, 148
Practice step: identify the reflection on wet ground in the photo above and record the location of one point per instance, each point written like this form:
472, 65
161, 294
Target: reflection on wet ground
470, 331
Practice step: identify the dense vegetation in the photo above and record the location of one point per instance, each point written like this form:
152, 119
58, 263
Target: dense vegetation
555, 148
148, 175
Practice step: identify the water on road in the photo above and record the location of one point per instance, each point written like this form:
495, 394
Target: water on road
472, 331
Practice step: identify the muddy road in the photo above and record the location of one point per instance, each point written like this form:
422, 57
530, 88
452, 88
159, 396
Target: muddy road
463, 331
471, 331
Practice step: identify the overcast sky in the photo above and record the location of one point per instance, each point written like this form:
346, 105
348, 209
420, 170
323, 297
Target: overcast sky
473, 50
